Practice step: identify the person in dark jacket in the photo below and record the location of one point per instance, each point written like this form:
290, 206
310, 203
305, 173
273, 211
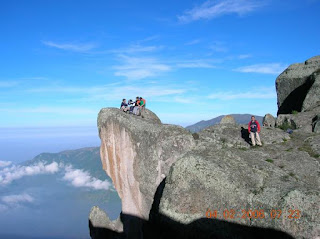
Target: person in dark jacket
254, 130
124, 106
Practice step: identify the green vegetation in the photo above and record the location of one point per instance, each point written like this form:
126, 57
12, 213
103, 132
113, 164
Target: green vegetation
285, 126
269, 160
288, 124
289, 149
223, 140
294, 112
243, 148
285, 178
307, 148
195, 136
284, 140
258, 190
291, 174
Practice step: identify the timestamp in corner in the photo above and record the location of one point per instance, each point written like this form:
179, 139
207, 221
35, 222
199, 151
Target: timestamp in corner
289, 214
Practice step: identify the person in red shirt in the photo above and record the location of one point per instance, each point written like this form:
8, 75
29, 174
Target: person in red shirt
254, 130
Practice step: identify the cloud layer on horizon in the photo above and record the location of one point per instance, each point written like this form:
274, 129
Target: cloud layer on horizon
77, 177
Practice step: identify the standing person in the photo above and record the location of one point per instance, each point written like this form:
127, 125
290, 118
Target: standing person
254, 130
124, 106
142, 106
136, 107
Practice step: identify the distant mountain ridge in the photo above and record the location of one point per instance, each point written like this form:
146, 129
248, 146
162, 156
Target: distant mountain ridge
240, 119
85, 158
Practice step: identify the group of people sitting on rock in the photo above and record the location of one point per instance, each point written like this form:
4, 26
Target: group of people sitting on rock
134, 107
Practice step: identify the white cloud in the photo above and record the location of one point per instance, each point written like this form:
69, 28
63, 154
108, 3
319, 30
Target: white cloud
266, 93
193, 42
5, 163
196, 64
137, 48
9, 174
110, 92
136, 68
51, 110
71, 46
81, 178
244, 56
213, 9
16, 199
77, 177
183, 100
8, 84
268, 68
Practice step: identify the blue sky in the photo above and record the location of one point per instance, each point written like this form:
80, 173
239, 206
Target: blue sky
62, 61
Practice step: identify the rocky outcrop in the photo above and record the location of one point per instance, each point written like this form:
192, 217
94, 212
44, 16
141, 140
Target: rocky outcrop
216, 171
280, 176
137, 154
298, 87
213, 184
269, 121
228, 119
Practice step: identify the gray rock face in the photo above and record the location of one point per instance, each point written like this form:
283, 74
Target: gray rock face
269, 121
298, 86
276, 176
216, 171
137, 154
301, 122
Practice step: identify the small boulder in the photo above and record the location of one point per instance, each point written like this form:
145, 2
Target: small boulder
269, 121
228, 119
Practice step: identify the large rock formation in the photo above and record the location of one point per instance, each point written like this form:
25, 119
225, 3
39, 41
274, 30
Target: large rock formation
137, 154
298, 87
217, 171
212, 184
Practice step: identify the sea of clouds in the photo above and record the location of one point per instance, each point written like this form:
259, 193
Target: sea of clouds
10, 172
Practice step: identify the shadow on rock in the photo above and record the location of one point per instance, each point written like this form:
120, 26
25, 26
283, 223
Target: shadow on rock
245, 135
295, 99
160, 227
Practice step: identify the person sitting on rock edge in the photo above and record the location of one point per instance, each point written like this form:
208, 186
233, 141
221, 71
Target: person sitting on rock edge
131, 105
124, 106
136, 107
254, 130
